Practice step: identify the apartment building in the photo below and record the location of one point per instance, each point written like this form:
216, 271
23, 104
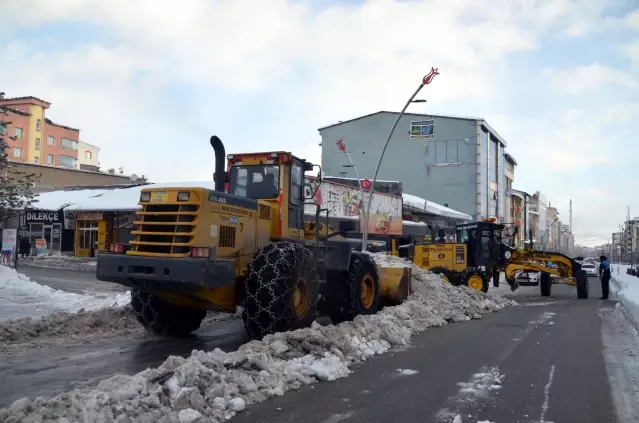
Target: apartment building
34, 138
88, 156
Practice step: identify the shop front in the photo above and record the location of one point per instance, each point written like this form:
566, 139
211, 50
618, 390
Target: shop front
98, 231
46, 230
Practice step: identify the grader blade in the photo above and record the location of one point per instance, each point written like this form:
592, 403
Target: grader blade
394, 284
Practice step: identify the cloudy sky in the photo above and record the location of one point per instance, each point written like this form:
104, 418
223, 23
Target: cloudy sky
149, 81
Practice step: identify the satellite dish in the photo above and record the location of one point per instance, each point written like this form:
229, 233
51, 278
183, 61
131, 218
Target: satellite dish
133, 177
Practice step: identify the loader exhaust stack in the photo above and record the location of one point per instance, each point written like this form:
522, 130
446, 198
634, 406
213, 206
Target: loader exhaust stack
220, 157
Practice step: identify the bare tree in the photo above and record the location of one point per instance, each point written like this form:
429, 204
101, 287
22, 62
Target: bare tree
16, 188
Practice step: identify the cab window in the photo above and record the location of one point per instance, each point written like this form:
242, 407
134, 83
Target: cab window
297, 184
256, 182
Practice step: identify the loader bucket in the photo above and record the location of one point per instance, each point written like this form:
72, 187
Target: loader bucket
394, 285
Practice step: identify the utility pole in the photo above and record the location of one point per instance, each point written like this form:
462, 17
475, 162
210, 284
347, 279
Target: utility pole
570, 229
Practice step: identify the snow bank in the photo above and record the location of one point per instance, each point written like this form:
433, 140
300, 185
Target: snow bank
627, 289
213, 386
19, 294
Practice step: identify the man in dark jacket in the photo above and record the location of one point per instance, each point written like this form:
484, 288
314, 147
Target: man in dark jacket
25, 246
604, 274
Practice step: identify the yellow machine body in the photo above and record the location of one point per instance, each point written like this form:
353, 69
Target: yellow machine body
452, 256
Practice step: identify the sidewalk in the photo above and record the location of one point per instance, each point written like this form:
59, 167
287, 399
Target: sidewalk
79, 264
627, 289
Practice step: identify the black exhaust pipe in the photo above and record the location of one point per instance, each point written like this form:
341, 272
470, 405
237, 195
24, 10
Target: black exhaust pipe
220, 157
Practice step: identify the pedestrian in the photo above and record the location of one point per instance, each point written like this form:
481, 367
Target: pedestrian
604, 274
25, 246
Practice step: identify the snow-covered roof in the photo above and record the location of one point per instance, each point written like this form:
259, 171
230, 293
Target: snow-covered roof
55, 200
126, 199
433, 208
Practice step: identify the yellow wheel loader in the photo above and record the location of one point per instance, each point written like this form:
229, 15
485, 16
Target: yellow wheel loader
479, 255
196, 250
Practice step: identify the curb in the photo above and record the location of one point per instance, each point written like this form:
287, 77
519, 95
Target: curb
83, 270
624, 309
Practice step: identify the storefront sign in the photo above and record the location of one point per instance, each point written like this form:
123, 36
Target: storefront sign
9, 239
42, 216
89, 216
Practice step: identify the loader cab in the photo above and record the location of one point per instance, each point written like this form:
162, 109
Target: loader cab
277, 178
483, 240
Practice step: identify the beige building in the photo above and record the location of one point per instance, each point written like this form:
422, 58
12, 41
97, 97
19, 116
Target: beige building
50, 177
509, 177
88, 156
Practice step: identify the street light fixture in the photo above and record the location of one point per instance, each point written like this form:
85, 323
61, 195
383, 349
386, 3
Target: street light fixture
425, 81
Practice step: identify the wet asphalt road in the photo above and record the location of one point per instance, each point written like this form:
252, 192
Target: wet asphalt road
70, 280
551, 352
554, 369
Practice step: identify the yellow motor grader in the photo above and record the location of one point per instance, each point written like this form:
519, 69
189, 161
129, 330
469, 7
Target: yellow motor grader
246, 244
480, 254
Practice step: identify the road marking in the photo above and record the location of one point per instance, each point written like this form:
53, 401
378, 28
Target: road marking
339, 417
545, 405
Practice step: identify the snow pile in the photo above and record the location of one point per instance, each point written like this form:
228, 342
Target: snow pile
20, 296
627, 288
60, 262
213, 386
61, 330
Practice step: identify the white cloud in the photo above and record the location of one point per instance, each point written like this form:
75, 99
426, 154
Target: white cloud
586, 78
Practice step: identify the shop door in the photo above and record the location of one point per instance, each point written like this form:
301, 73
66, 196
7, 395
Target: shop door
56, 238
48, 230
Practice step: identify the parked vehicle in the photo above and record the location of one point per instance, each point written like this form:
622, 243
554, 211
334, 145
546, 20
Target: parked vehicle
591, 269
528, 278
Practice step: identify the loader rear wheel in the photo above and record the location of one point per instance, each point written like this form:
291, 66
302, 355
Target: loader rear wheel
545, 284
447, 274
583, 285
162, 317
281, 290
355, 292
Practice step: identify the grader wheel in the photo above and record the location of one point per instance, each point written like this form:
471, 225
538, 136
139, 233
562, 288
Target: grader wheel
355, 292
162, 317
477, 280
448, 275
281, 290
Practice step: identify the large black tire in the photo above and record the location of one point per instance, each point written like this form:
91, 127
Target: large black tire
280, 290
496, 274
583, 287
355, 292
484, 280
164, 318
545, 284
452, 277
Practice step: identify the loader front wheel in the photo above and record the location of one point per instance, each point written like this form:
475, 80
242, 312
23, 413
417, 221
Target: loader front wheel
355, 292
281, 290
162, 317
583, 287
545, 284
478, 281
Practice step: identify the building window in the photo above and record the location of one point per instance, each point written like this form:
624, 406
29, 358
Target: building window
422, 129
88, 234
51, 140
446, 151
50, 159
17, 152
37, 144
19, 133
38, 125
88, 155
69, 144
36, 160
67, 161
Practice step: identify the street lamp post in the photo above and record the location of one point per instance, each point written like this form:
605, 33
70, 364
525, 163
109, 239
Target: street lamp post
425, 81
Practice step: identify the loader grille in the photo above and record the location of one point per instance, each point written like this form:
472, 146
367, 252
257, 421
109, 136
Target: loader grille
227, 236
265, 212
164, 229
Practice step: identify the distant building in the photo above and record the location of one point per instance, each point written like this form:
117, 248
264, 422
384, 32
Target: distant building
88, 156
454, 161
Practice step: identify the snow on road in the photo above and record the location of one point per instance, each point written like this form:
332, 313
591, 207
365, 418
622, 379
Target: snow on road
627, 289
22, 297
80, 264
213, 386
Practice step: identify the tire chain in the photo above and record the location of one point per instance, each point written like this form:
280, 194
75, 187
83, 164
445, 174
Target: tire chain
146, 313
271, 278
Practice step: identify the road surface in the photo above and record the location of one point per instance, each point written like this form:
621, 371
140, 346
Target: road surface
70, 280
562, 360
552, 357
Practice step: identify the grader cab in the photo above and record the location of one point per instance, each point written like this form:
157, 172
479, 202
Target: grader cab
246, 244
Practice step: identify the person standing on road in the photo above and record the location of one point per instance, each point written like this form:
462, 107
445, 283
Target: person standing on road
25, 246
604, 274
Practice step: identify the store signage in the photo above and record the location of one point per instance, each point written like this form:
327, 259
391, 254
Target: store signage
42, 216
89, 216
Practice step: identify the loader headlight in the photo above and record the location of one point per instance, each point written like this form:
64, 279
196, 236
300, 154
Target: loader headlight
145, 196
183, 196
